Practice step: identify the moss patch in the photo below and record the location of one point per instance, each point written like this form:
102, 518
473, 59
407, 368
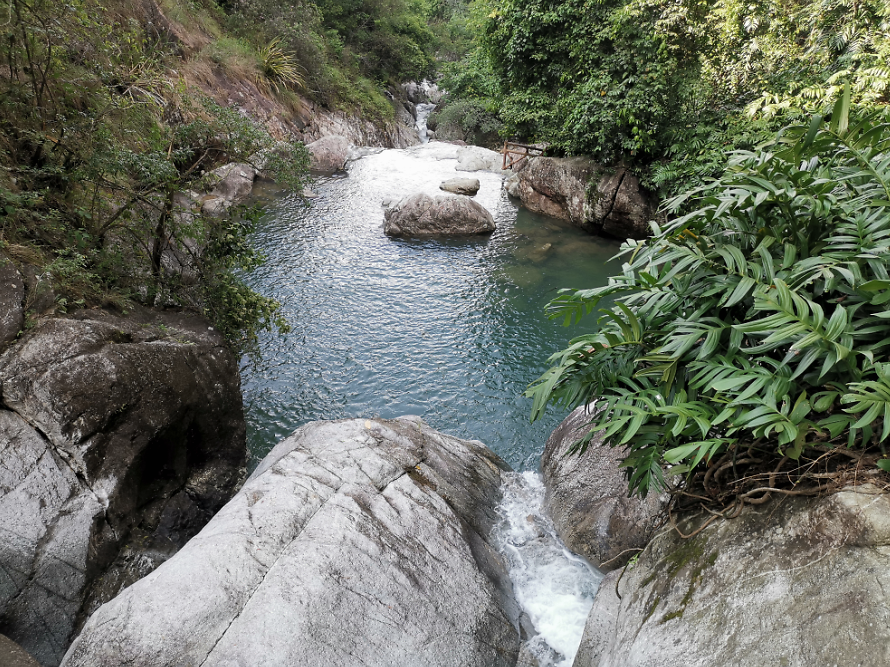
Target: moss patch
690, 553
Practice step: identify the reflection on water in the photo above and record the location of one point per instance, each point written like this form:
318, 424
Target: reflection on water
452, 330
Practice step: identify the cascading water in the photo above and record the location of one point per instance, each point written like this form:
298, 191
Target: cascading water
554, 587
423, 112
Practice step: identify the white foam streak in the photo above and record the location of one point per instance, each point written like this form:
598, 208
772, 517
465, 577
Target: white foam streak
554, 587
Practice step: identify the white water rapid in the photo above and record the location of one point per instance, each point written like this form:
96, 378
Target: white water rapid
554, 587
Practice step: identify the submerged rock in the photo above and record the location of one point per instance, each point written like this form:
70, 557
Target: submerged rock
461, 186
355, 542
329, 154
798, 582
587, 497
114, 431
422, 215
12, 301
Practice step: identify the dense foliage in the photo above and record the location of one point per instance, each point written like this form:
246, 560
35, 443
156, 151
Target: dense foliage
348, 51
668, 86
759, 318
98, 141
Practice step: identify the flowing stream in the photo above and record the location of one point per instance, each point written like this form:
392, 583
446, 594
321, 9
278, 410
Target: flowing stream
452, 330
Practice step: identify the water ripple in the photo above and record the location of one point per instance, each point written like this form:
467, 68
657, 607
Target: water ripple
452, 330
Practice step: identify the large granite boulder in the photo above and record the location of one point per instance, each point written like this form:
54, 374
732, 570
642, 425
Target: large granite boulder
355, 542
578, 190
232, 184
617, 205
476, 158
13, 655
120, 438
422, 215
328, 154
12, 301
587, 497
461, 186
796, 582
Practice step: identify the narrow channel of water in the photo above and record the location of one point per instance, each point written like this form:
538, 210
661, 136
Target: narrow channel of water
552, 585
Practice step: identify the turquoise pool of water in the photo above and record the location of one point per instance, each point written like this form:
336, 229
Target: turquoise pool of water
452, 330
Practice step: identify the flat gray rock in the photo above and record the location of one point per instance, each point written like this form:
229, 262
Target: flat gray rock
461, 186
587, 497
800, 582
115, 433
355, 543
421, 215
476, 158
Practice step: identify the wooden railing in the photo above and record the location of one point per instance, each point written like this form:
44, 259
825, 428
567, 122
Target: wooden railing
514, 153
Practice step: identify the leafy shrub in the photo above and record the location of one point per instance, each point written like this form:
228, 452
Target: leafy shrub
97, 144
466, 120
759, 319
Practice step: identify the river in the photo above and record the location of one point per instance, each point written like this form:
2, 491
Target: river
452, 330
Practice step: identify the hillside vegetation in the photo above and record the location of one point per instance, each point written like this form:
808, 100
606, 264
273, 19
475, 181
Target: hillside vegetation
109, 109
666, 86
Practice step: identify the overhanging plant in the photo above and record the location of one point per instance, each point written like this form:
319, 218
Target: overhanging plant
760, 319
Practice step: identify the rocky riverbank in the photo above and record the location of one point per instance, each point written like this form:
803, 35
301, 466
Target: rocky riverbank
358, 542
600, 200
796, 581
120, 438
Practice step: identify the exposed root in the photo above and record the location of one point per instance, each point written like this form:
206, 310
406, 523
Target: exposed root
756, 478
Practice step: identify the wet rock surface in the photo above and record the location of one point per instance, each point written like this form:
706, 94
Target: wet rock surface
112, 431
12, 301
461, 186
587, 497
610, 203
421, 215
357, 542
797, 582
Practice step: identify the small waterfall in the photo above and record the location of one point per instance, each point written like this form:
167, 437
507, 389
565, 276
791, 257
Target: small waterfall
554, 587
423, 110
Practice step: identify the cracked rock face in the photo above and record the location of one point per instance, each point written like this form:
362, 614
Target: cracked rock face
582, 192
798, 583
422, 215
356, 542
118, 437
587, 497
12, 297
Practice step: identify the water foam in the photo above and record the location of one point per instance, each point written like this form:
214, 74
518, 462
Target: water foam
554, 587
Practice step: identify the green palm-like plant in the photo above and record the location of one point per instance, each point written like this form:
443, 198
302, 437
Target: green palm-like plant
760, 318
279, 67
